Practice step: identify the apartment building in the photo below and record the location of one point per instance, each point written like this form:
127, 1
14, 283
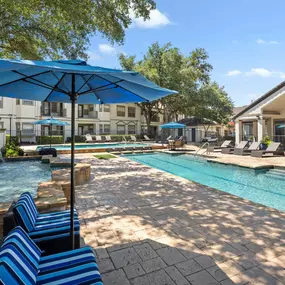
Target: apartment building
17, 117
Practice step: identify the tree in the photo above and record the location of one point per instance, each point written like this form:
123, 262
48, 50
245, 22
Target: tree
168, 67
215, 106
54, 29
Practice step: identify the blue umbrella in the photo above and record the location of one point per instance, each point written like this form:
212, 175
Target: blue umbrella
50, 122
73, 81
173, 125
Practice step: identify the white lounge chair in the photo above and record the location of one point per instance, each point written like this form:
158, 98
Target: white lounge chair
98, 139
146, 138
108, 138
133, 138
89, 138
272, 149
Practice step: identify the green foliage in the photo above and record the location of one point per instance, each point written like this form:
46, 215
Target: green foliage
14, 139
266, 140
47, 139
104, 156
168, 67
54, 29
11, 150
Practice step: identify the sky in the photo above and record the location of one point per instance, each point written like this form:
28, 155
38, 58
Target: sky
245, 41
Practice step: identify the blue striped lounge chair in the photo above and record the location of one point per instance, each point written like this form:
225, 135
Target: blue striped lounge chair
21, 262
50, 231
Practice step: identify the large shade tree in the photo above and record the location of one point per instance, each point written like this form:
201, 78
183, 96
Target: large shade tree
38, 29
169, 68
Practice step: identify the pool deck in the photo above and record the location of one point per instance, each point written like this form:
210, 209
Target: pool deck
151, 227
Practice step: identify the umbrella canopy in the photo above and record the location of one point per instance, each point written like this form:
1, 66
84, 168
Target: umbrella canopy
281, 126
51, 122
173, 125
73, 81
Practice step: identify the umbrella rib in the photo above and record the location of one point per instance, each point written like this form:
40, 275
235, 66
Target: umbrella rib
27, 77
126, 89
44, 84
85, 82
59, 80
99, 88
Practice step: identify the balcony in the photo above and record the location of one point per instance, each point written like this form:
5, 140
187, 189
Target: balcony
88, 115
53, 110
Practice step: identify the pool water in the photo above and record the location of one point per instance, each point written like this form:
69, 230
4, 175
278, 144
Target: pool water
19, 177
247, 183
99, 145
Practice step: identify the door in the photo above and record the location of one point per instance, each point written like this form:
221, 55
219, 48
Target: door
180, 132
193, 134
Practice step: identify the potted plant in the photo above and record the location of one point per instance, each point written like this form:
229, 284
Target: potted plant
265, 142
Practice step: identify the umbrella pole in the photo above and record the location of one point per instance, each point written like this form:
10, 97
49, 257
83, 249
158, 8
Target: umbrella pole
72, 194
50, 135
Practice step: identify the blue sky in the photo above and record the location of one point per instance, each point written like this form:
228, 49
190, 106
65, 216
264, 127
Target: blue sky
245, 40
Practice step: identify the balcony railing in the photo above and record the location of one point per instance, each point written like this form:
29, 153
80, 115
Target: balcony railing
88, 115
58, 113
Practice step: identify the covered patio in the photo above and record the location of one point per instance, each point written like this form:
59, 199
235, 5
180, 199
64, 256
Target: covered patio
263, 117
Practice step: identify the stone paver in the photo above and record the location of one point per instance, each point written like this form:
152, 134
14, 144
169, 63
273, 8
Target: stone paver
170, 255
124, 257
117, 277
151, 227
202, 277
188, 267
134, 270
145, 251
153, 264
176, 276
155, 278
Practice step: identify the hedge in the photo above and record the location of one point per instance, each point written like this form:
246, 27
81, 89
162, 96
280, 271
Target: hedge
47, 139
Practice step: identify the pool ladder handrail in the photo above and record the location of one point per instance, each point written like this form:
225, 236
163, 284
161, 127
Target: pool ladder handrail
206, 150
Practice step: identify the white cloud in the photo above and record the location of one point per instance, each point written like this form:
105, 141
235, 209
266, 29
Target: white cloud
107, 49
93, 55
262, 72
157, 19
233, 72
263, 42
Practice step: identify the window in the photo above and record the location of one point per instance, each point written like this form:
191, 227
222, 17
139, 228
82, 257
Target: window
120, 129
279, 132
106, 108
247, 130
27, 127
18, 102
107, 128
28, 102
1, 102
53, 107
18, 126
132, 112
1, 125
131, 129
100, 129
91, 108
80, 111
121, 111
100, 108
85, 112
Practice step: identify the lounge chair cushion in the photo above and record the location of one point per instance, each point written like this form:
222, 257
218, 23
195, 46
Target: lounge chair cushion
21, 263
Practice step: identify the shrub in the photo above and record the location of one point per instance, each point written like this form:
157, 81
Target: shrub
11, 150
47, 139
266, 140
14, 139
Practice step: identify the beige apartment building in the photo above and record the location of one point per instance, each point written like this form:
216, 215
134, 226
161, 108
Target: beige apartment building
17, 116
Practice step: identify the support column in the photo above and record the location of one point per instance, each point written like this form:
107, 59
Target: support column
260, 128
237, 128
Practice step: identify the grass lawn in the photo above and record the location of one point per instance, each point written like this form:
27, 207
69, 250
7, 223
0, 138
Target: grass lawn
104, 156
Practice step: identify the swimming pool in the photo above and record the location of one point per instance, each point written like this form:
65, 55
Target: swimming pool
22, 176
99, 145
247, 183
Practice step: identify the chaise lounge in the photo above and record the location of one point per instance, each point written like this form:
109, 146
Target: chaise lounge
229, 150
271, 149
89, 139
22, 262
247, 151
49, 231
